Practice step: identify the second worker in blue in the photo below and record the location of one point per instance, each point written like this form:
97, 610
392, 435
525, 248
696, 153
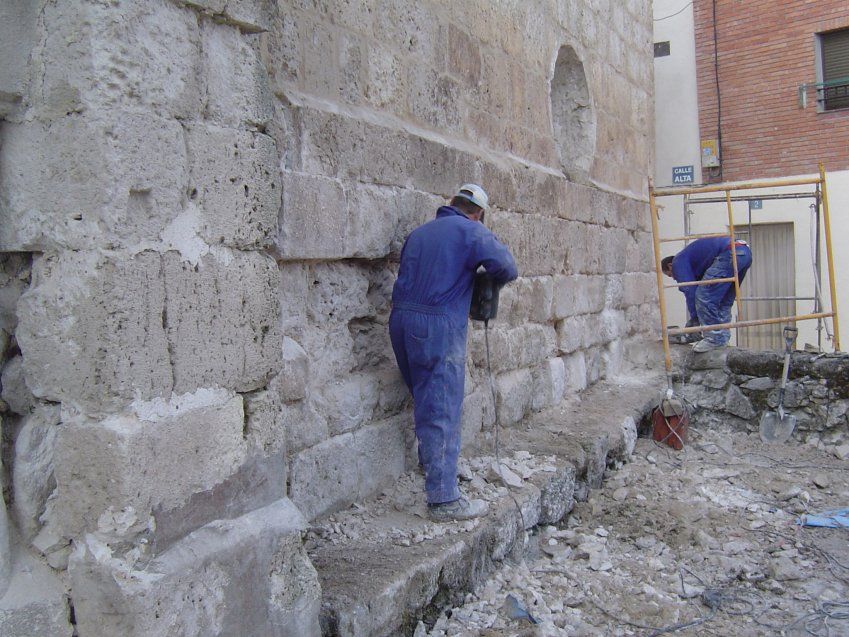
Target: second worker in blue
703, 260
428, 325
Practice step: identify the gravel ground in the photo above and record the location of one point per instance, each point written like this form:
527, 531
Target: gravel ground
705, 541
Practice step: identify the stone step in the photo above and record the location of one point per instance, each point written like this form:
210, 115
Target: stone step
383, 566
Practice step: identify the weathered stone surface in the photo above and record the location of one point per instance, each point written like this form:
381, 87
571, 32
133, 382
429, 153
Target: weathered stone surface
576, 372
514, 391
248, 15
557, 496
32, 470
736, 403
235, 180
35, 602
258, 482
15, 393
91, 330
346, 468
147, 461
99, 333
313, 219
578, 295
251, 572
237, 90
80, 182
98, 57
15, 274
18, 33
222, 321
348, 402
549, 383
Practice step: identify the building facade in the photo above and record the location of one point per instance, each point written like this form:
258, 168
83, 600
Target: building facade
758, 93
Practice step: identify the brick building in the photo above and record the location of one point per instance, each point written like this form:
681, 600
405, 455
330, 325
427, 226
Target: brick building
773, 80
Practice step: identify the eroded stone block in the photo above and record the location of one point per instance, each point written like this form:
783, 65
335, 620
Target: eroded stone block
81, 182
251, 571
153, 459
514, 391
314, 218
32, 471
235, 180
91, 330
222, 321
347, 468
237, 89
15, 392
99, 56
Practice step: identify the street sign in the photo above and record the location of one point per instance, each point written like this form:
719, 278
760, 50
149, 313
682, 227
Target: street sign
682, 174
756, 204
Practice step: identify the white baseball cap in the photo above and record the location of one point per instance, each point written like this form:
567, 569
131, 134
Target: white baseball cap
475, 194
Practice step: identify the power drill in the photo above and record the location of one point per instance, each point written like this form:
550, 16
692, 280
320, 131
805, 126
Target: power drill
484, 298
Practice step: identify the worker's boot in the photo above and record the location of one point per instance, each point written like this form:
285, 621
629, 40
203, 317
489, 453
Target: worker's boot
460, 509
705, 345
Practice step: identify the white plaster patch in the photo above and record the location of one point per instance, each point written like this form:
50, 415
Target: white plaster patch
159, 408
182, 235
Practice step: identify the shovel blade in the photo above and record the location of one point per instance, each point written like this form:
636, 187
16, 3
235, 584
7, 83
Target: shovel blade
777, 427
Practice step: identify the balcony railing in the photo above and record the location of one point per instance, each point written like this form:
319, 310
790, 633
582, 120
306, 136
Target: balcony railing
831, 95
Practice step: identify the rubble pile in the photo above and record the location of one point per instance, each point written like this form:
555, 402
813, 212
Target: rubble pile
708, 538
479, 478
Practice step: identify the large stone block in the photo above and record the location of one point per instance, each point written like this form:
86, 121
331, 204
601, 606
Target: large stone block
222, 321
98, 57
549, 383
152, 460
514, 391
249, 573
313, 219
15, 392
36, 602
18, 33
91, 331
578, 295
235, 180
347, 468
237, 87
576, 372
99, 333
32, 470
347, 402
80, 182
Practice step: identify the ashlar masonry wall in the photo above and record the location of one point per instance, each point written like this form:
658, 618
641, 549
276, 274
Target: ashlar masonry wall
201, 208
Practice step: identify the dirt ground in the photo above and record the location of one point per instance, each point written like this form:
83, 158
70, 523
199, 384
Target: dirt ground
704, 541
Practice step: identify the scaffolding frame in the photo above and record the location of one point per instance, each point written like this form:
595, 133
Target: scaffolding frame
728, 188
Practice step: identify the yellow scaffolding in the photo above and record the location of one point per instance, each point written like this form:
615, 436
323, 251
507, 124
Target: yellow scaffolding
654, 193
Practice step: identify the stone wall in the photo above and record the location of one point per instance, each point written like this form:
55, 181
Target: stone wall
735, 387
202, 204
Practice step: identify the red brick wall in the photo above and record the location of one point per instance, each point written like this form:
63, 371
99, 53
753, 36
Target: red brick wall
766, 50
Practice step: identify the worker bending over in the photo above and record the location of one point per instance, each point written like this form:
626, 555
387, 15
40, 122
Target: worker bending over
702, 260
430, 308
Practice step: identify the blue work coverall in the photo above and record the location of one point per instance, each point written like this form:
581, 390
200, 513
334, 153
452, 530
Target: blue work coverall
705, 259
430, 308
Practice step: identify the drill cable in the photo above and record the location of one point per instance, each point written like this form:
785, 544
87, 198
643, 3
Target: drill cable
497, 423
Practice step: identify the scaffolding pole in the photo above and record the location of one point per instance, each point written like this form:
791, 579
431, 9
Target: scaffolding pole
654, 193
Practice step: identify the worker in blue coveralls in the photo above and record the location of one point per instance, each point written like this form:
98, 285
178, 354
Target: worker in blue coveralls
705, 259
430, 308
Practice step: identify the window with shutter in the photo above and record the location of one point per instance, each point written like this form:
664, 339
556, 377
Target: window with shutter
834, 47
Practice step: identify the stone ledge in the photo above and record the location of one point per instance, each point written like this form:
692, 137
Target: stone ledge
375, 584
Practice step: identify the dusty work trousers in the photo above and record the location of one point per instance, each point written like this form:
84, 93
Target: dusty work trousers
430, 349
714, 302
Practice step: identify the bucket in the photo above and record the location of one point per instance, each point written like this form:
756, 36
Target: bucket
669, 423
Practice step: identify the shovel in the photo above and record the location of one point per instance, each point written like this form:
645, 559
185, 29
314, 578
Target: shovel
778, 427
